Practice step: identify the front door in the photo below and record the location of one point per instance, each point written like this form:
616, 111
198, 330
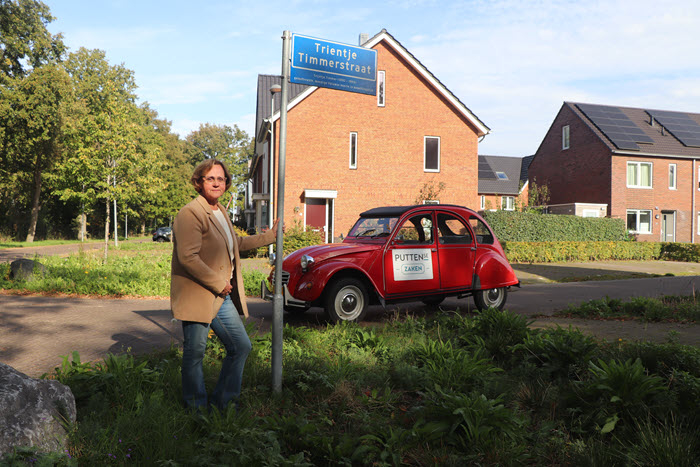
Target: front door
411, 259
316, 215
456, 251
668, 226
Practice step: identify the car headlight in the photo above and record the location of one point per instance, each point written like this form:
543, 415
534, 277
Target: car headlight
305, 262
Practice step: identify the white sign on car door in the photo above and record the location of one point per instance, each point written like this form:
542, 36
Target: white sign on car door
412, 264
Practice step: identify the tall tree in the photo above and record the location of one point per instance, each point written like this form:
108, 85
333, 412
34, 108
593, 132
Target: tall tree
33, 130
110, 157
25, 43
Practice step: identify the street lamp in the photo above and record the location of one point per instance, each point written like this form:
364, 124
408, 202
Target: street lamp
274, 89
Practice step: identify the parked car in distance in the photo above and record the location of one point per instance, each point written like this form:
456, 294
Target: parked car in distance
398, 254
163, 234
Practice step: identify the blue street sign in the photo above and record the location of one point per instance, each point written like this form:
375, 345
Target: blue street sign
327, 64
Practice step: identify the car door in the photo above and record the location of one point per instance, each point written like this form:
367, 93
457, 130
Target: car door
410, 258
456, 252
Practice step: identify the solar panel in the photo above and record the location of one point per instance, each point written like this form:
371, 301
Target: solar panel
680, 125
617, 126
485, 171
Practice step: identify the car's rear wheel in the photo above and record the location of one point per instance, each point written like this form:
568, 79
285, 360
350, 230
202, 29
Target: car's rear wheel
347, 300
491, 298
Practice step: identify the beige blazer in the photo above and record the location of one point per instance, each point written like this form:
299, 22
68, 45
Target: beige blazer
202, 263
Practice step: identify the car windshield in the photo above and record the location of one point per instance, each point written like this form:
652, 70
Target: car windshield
373, 227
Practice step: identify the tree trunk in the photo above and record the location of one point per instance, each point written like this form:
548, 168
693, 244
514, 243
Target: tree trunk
106, 227
36, 205
83, 226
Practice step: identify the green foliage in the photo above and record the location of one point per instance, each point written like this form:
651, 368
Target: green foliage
296, 237
561, 251
414, 391
559, 352
621, 391
516, 226
669, 308
497, 331
688, 252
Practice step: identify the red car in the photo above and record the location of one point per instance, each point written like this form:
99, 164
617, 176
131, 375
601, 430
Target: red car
398, 254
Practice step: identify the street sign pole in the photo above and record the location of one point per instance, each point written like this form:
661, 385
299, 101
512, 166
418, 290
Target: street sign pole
278, 301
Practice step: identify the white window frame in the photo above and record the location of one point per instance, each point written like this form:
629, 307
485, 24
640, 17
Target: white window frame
638, 174
483, 202
565, 137
638, 213
672, 176
425, 153
509, 202
381, 88
353, 150
698, 223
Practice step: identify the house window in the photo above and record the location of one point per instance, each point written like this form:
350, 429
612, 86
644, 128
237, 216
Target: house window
431, 154
483, 202
381, 88
639, 221
501, 176
565, 137
639, 174
353, 150
508, 203
672, 176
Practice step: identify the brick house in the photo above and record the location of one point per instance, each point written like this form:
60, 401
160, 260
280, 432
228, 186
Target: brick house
347, 152
641, 163
503, 182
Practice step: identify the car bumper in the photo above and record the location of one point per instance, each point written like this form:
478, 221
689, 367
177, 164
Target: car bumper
288, 300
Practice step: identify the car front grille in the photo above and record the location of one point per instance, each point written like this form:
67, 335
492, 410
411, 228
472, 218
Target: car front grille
285, 278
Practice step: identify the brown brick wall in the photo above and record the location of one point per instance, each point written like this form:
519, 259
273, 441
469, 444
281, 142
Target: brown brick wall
390, 146
659, 198
588, 172
578, 174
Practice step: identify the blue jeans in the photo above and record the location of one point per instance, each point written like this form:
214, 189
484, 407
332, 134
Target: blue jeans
227, 325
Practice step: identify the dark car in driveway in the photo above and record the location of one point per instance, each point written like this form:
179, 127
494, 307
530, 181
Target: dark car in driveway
397, 254
163, 234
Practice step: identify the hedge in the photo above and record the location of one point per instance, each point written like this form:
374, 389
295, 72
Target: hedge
551, 252
534, 227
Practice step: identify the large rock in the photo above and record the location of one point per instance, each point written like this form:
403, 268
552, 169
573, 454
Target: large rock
24, 269
33, 412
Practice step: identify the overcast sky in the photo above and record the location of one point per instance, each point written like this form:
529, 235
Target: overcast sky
513, 63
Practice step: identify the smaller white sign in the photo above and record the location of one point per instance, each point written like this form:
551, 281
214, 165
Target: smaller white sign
413, 264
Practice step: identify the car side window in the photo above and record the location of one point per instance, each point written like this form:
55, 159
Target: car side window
416, 230
482, 233
452, 230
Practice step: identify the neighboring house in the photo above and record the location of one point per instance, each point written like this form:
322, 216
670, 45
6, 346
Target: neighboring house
347, 152
641, 163
503, 182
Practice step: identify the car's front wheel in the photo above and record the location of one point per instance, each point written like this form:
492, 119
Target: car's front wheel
346, 300
491, 298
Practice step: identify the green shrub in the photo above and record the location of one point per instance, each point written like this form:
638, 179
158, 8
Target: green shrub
688, 252
296, 238
561, 251
533, 227
559, 352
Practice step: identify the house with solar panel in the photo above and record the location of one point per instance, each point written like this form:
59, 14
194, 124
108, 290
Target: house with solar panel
503, 182
348, 152
637, 164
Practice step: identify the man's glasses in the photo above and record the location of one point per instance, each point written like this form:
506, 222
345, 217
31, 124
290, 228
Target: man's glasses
214, 179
